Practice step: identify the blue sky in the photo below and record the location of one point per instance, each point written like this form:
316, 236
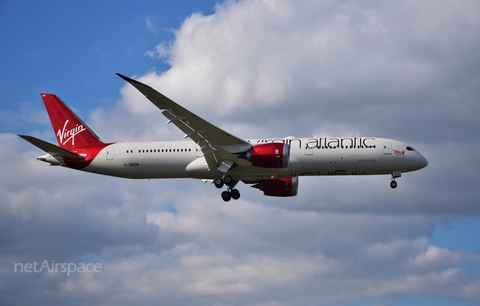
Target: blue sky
458, 235
407, 71
49, 41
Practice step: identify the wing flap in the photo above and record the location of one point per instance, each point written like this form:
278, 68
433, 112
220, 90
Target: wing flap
50, 148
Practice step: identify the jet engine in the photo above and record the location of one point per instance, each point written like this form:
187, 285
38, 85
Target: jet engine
284, 187
269, 155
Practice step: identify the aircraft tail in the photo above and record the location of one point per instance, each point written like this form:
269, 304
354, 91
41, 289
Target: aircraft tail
71, 131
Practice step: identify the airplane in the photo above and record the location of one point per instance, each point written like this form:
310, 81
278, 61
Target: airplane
271, 165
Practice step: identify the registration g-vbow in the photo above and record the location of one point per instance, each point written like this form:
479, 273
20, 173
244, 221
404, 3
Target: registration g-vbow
271, 165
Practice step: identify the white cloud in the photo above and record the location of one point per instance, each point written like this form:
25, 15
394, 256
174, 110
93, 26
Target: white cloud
255, 249
150, 25
338, 62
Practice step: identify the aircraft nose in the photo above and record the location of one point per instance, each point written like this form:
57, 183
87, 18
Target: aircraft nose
423, 162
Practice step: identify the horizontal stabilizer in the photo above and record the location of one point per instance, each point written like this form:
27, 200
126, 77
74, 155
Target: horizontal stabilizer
50, 148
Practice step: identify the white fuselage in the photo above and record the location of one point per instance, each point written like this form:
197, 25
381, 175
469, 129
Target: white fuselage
308, 157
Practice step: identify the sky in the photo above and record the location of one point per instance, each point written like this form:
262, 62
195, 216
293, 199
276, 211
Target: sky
406, 70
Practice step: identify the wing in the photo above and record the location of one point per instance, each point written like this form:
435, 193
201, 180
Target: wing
219, 148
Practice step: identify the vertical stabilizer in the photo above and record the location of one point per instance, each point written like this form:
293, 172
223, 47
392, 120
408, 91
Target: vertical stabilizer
71, 131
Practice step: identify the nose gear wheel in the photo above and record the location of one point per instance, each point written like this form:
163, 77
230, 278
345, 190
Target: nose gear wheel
393, 183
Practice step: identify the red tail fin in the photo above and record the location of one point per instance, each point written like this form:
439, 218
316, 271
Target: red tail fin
70, 130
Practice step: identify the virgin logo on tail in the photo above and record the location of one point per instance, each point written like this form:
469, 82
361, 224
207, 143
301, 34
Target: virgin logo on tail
65, 135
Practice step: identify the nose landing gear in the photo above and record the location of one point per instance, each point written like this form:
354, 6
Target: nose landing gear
395, 174
230, 193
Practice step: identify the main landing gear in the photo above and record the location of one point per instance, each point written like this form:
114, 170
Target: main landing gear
395, 175
230, 193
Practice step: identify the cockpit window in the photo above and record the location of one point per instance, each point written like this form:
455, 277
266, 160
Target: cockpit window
410, 149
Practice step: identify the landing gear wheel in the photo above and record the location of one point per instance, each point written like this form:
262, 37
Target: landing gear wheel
393, 184
218, 182
235, 194
226, 196
228, 180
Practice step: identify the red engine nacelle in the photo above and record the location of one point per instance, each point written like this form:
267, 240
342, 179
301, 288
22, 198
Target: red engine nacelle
284, 187
269, 155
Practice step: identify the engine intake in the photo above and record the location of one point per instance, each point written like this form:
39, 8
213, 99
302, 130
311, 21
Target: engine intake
269, 155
